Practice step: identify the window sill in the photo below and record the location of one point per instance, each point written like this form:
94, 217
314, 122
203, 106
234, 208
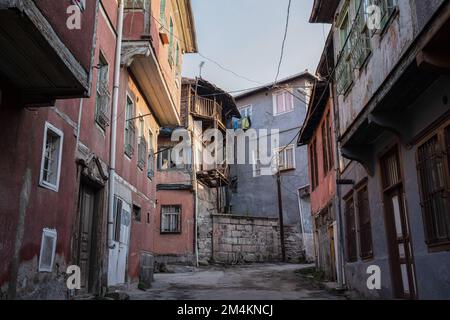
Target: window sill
48, 186
439, 247
283, 113
170, 233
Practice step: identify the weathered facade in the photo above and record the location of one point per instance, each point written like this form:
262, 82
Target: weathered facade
194, 189
318, 133
54, 186
392, 102
255, 192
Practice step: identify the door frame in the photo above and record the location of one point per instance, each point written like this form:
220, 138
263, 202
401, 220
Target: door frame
96, 252
391, 233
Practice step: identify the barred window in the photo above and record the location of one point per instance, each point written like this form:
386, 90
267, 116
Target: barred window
365, 228
350, 230
170, 219
433, 164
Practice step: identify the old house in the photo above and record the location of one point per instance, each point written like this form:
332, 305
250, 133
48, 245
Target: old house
281, 108
156, 35
84, 123
318, 133
392, 88
45, 62
190, 191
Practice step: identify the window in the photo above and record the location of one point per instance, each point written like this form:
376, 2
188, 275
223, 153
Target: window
286, 158
350, 229
170, 219
327, 148
365, 228
360, 38
130, 129
137, 213
325, 161
283, 102
117, 218
151, 157
344, 72
387, 8
162, 13
165, 161
142, 144
246, 111
171, 42
48, 249
433, 163
103, 97
313, 164
51, 157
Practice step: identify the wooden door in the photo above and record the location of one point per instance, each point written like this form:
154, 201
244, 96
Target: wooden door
397, 227
86, 253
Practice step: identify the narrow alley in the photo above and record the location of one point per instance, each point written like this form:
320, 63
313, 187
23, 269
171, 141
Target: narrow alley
242, 282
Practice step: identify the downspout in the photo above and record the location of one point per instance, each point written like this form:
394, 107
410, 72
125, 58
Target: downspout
112, 156
341, 272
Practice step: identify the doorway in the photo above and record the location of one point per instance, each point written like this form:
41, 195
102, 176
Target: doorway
118, 254
87, 249
397, 226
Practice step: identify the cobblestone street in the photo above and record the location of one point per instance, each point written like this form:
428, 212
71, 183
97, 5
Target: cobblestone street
244, 282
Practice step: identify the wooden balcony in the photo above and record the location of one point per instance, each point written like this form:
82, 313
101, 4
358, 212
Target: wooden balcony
207, 110
214, 176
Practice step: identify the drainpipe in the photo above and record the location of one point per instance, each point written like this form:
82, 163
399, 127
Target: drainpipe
80, 112
341, 266
112, 156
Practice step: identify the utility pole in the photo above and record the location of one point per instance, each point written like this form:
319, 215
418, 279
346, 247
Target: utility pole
280, 218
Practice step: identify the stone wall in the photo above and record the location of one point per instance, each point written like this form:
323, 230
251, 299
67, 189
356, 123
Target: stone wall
206, 207
240, 239
293, 242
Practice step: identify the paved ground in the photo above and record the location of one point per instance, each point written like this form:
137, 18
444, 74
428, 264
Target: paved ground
247, 282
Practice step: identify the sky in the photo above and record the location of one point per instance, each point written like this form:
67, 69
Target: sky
245, 36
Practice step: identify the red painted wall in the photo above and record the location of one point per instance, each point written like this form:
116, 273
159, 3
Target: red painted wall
326, 188
175, 244
79, 42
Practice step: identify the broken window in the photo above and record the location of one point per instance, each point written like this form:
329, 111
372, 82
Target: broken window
170, 219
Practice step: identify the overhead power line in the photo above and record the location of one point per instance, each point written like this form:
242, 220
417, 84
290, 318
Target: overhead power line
286, 28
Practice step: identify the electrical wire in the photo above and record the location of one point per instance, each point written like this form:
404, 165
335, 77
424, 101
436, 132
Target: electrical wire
286, 28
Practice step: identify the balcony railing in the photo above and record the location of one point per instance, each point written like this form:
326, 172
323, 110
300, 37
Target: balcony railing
142, 153
207, 108
102, 108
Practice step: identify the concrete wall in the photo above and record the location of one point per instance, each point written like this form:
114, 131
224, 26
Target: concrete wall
240, 239
257, 196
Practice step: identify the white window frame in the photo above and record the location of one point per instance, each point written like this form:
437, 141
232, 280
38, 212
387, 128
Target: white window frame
177, 214
277, 151
287, 92
249, 110
42, 182
53, 234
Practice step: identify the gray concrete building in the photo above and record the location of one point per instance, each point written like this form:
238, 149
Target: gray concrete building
254, 187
